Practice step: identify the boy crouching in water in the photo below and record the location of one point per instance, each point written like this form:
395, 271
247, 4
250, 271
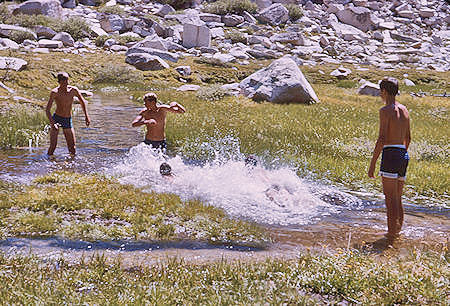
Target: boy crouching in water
154, 117
393, 140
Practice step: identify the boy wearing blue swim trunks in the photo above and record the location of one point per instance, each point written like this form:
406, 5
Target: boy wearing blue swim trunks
63, 97
153, 116
393, 142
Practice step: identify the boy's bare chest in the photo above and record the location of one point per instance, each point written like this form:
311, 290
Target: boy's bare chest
158, 115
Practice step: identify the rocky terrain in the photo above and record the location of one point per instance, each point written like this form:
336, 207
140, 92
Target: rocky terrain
381, 34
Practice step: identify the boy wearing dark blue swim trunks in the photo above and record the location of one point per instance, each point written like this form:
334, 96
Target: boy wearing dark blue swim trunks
393, 142
154, 117
63, 97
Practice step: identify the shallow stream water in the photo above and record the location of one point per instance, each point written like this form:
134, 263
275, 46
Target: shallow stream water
292, 207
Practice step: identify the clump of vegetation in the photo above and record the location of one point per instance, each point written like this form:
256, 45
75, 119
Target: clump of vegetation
20, 36
19, 124
99, 208
75, 26
117, 74
224, 7
295, 11
114, 9
211, 93
236, 36
178, 4
419, 278
120, 39
211, 61
28, 21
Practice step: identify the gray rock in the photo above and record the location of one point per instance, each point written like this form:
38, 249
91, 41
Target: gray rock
68, 3
153, 41
280, 82
6, 43
188, 87
184, 70
232, 20
249, 18
89, 2
359, 17
109, 42
259, 54
295, 38
196, 34
398, 36
369, 89
118, 48
43, 31
341, 72
10, 90
409, 82
50, 44
145, 61
51, 8
217, 33
224, 58
263, 4
112, 23
206, 17
348, 32
65, 38
232, 89
169, 56
275, 14
406, 14
12, 63
164, 10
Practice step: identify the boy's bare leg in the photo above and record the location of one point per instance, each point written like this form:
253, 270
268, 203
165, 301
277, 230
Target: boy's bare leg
390, 190
53, 141
400, 212
70, 139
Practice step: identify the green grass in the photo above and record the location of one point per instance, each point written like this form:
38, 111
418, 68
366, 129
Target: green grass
420, 278
76, 206
19, 123
223, 7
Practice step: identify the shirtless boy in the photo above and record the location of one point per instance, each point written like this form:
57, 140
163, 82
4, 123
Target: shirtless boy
154, 117
393, 140
63, 96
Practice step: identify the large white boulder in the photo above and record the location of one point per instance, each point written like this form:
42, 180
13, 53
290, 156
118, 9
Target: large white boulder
196, 34
369, 89
275, 14
144, 61
51, 44
359, 17
51, 8
6, 43
280, 82
12, 63
65, 38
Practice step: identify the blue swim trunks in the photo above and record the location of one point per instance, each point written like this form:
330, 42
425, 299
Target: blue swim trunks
156, 144
394, 161
65, 122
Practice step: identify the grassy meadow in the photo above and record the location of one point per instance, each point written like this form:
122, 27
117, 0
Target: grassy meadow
419, 278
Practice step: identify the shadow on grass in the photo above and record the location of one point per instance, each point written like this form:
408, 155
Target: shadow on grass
59, 244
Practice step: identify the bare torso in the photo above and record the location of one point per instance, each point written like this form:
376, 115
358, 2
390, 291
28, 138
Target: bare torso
155, 132
64, 100
398, 124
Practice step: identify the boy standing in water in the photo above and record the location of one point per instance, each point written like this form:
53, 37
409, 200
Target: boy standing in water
393, 140
63, 96
154, 117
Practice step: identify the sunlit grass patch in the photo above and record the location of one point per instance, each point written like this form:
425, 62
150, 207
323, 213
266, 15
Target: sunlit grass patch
417, 278
21, 123
99, 208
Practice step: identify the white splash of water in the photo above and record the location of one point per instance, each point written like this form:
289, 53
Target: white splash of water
265, 196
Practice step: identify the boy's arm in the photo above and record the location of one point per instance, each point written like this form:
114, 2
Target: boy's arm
408, 134
380, 142
48, 110
83, 106
175, 107
140, 120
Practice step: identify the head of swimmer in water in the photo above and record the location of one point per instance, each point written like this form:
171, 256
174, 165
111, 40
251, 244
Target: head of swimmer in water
165, 169
63, 78
251, 161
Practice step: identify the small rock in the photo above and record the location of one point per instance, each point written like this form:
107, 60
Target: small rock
188, 87
409, 82
369, 89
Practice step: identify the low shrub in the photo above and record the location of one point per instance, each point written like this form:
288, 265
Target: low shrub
75, 26
295, 11
115, 9
211, 93
178, 4
236, 37
117, 74
100, 40
30, 21
211, 61
20, 36
223, 7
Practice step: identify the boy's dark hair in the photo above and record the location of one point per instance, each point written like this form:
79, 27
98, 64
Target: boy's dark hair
62, 76
150, 96
390, 84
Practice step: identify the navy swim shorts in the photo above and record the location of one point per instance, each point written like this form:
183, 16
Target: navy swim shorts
156, 144
394, 161
65, 122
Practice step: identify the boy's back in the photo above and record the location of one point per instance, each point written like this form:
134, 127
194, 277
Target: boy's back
397, 128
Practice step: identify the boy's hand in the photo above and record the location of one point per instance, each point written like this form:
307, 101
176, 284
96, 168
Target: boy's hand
371, 171
150, 121
54, 126
88, 121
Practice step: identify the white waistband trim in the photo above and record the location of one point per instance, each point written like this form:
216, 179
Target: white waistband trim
400, 146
